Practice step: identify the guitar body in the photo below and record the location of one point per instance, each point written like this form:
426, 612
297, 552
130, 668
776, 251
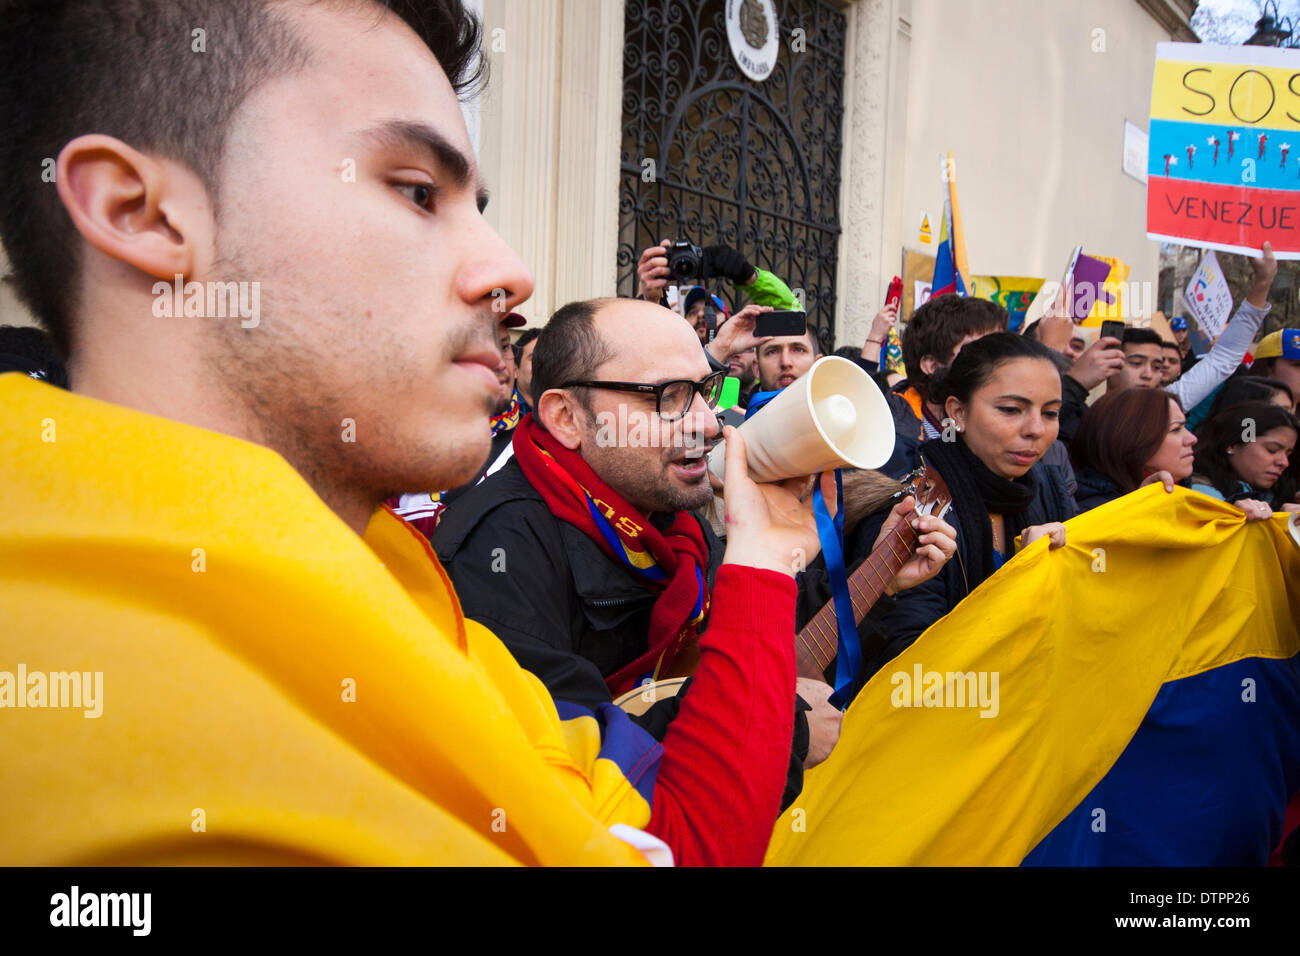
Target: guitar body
640, 699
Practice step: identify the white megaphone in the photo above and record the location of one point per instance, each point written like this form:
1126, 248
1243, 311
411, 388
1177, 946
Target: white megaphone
833, 416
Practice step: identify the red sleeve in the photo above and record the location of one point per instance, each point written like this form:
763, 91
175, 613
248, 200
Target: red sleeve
718, 791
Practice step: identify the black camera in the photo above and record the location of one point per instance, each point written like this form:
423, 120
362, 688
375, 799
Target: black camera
684, 260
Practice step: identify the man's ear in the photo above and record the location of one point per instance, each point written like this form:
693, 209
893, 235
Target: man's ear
928, 364
560, 415
132, 207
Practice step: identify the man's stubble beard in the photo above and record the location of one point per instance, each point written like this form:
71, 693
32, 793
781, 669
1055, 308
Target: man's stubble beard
273, 373
649, 492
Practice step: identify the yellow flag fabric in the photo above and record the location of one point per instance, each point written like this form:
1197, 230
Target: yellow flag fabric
1149, 589
958, 233
270, 688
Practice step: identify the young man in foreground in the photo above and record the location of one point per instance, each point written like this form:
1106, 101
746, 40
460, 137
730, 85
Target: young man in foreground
267, 264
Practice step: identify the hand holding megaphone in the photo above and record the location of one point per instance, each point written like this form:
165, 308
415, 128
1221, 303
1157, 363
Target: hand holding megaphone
768, 526
833, 416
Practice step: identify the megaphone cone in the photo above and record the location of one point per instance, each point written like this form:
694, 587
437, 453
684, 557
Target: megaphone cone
833, 416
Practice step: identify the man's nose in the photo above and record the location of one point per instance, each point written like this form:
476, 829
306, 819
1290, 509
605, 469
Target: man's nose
493, 274
701, 420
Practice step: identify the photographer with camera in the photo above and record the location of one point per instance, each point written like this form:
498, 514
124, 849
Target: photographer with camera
681, 262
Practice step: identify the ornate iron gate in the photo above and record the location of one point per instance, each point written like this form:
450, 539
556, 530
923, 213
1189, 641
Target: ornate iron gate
711, 156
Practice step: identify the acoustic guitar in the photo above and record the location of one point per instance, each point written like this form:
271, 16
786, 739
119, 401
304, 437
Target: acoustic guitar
817, 643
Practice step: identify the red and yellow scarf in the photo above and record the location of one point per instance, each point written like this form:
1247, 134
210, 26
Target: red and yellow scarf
673, 562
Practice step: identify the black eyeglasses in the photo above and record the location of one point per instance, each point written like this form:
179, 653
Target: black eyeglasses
672, 399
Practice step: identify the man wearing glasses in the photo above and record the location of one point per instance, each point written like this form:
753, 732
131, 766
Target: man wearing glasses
583, 554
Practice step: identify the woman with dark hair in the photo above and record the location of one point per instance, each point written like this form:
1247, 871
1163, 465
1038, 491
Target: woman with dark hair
1245, 457
1001, 397
1241, 387
1251, 388
1127, 440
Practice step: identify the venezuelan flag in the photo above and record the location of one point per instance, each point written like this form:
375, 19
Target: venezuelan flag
1131, 698
950, 268
1223, 161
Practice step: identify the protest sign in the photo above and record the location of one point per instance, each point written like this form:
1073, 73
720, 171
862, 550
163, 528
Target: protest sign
1220, 173
1208, 297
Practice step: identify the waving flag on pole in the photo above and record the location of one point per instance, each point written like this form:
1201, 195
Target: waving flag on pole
950, 267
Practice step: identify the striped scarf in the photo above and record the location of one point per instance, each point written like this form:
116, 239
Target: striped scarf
672, 562
510, 417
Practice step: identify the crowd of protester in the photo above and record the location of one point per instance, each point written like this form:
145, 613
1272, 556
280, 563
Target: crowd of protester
595, 562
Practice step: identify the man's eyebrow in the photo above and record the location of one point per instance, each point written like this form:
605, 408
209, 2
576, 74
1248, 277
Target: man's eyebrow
424, 138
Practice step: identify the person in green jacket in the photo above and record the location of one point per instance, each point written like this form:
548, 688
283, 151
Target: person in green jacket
719, 262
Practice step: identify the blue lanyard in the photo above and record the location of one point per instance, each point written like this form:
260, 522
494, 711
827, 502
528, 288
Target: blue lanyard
848, 658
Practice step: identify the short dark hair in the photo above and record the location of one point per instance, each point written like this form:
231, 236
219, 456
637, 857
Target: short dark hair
1134, 336
1263, 367
1248, 388
521, 343
569, 349
937, 326
1119, 433
976, 363
125, 68
1170, 345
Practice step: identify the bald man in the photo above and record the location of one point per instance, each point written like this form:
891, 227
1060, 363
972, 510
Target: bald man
582, 552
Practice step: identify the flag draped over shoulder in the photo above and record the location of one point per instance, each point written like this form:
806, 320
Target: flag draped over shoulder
950, 267
1131, 698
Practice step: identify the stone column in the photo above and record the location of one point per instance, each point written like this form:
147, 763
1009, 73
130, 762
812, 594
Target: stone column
549, 141
871, 168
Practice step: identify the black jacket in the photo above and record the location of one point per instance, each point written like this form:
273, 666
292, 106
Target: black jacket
564, 609
916, 609
908, 434
1074, 402
1094, 489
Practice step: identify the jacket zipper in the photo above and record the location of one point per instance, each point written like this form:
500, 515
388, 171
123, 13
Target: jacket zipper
613, 602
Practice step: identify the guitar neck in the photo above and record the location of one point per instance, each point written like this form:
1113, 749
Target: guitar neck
818, 642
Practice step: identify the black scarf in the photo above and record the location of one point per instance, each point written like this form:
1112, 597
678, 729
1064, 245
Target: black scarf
976, 493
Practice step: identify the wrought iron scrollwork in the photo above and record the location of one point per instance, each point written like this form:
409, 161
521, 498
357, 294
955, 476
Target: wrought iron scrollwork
711, 156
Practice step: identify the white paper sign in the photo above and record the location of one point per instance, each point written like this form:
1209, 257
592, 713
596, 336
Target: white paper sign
1207, 298
1136, 143
922, 294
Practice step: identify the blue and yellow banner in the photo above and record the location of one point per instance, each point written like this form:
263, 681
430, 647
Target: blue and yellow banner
1131, 698
1013, 293
1222, 166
